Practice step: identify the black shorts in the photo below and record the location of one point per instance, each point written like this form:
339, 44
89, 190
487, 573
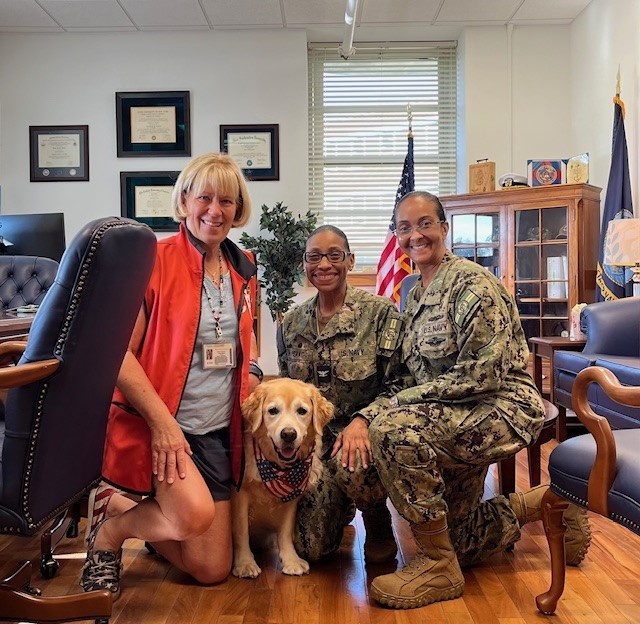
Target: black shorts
210, 454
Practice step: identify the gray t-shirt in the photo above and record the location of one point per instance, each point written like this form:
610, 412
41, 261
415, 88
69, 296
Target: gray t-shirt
207, 400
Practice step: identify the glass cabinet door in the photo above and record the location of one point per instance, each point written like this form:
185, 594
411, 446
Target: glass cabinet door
477, 237
541, 271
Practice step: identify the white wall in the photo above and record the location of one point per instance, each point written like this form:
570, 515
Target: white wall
516, 97
233, 77
606, 36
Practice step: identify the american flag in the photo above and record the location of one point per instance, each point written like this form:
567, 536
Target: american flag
394, 265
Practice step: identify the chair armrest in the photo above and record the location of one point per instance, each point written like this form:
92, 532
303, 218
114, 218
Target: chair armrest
23, 374
604, 468
10, 352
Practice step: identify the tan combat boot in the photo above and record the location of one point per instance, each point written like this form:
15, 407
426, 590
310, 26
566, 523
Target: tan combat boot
527, 507
433, 575
380, 544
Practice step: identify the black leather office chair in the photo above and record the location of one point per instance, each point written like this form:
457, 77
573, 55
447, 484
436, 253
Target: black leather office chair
52, 439
25, 280
599, 470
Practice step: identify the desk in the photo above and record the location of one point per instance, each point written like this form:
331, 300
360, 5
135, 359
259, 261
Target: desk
13, 327
545, 347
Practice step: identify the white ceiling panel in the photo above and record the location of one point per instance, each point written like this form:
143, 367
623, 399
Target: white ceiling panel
147, 14
399, 11
233, 13
315, 11
478, 10
24, 14
86, 13
550, 9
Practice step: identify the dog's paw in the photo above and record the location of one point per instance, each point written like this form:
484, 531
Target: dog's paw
247, 568
295, 566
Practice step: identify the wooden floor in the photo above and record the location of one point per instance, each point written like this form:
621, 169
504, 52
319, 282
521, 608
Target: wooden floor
604, 589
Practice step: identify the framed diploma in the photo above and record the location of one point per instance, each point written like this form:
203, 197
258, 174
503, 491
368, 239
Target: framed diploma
153, 123
146, 197
59, 153
254, 148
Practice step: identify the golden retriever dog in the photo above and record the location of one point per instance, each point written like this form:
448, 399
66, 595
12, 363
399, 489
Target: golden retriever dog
284, 419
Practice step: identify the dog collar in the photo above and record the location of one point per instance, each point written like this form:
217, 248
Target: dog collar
284, 483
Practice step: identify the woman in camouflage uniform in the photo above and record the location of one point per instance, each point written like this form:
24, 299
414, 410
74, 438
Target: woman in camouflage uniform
345, 341
473, 404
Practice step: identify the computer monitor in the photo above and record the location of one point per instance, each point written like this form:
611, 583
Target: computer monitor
33, 235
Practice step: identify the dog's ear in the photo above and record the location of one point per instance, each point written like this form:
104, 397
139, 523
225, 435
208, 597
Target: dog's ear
322, 410
252, 407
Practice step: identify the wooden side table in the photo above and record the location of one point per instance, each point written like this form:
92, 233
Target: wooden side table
545, 347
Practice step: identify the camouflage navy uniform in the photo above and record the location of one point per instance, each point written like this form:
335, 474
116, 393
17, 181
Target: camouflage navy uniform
473, 404
356, 357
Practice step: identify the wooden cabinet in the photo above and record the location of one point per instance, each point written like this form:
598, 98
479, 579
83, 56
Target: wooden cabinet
541, 242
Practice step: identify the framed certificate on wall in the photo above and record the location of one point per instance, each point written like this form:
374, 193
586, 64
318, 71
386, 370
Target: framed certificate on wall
153, 123
255, 148
146, 197
59, 153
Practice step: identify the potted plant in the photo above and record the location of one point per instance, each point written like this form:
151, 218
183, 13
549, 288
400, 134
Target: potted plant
280, 254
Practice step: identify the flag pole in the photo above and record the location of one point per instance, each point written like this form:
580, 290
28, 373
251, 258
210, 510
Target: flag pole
617, 99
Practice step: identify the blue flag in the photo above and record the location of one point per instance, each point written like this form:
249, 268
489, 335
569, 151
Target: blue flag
614, 282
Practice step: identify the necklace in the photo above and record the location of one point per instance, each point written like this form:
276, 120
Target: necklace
216, 311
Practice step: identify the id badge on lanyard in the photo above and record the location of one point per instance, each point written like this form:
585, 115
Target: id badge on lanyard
219, 355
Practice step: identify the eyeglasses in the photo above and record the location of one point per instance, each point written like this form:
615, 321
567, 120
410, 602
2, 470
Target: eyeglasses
315, 257
404, 230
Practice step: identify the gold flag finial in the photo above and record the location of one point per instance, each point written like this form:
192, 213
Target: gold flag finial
410, 120
618, 83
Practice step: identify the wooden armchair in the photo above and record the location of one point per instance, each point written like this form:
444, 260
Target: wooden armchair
52, 438
599, 471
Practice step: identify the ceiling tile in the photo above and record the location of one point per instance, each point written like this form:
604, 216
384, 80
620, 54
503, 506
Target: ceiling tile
164, 13
398, 11
478, 10
550, 9
23, 14
243, 12
314, 11
89, 13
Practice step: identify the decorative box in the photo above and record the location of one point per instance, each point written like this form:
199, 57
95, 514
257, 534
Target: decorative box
482, 177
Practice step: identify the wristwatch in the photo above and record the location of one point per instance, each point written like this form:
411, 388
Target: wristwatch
393, 401
254, 369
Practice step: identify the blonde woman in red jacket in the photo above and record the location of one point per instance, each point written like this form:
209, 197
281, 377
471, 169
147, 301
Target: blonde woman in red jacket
174, 429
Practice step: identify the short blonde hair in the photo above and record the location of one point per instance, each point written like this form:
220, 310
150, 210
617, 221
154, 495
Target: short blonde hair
220, 172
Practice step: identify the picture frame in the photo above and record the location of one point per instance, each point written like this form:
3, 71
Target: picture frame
146, 197
153, 123
59, 153
255, 148
546, 172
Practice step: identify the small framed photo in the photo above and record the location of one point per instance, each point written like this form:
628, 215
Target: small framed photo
153, 123
59, 153
546, 172
255, 148
146, 197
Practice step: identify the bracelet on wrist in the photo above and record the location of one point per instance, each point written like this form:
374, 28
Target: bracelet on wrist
254, 369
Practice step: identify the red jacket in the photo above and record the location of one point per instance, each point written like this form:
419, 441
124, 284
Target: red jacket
172, 304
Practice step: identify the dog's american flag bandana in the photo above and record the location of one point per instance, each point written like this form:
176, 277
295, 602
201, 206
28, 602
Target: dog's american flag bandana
284, 483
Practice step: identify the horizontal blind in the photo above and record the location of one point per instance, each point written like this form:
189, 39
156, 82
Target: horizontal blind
358, 135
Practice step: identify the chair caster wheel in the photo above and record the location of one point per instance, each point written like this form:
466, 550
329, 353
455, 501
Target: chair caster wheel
102, 621
48, 566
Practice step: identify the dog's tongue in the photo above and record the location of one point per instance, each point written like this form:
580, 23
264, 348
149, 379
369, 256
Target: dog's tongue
287, 453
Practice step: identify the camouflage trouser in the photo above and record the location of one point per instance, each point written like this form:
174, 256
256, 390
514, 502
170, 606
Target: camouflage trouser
432, 466
322, 510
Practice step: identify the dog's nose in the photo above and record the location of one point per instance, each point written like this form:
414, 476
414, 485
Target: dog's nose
288, 435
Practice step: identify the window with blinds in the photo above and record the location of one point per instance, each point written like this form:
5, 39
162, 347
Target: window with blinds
358, 127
